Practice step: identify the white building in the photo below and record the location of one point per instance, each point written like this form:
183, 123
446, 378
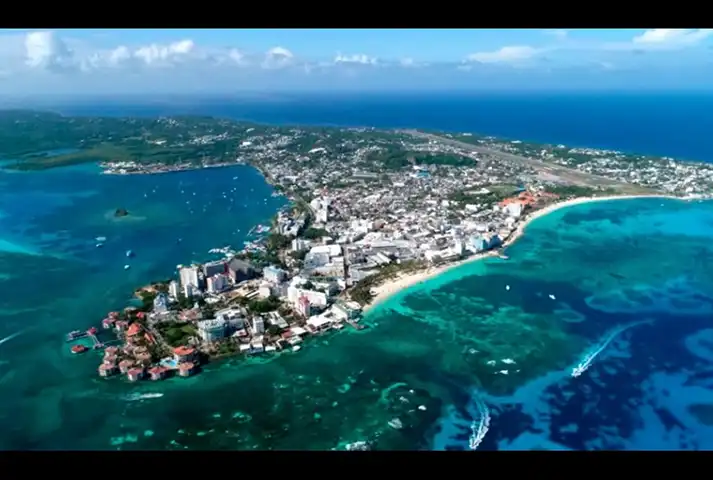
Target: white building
173, 289
273, 274
189, 276
330, 250
514, 209
258, 326
160, 303
346, 310
458, 247
320, 322
189, 290
299, 244
316, 260
318, 299
212, 330
217, 283
264, 291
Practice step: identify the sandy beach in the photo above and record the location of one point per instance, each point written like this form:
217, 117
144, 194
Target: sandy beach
391, 287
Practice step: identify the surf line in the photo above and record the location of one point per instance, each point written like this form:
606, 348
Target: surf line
480, 425
600, 346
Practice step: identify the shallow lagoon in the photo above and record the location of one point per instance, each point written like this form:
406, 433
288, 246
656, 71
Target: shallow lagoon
431, 346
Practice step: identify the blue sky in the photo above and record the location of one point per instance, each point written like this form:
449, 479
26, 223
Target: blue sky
236, 60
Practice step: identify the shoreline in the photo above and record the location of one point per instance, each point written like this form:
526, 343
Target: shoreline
391, 287
157, 169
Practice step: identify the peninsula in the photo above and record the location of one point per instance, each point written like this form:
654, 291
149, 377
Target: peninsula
372, 211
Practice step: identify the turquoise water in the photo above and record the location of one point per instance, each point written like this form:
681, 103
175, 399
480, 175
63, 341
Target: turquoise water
607, 265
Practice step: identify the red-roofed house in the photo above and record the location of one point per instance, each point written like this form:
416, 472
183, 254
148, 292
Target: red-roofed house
183, 354
133, 329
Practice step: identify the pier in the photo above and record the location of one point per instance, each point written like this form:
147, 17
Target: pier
356, 325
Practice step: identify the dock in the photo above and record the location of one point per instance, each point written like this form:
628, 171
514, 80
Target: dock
356, 325
76, 335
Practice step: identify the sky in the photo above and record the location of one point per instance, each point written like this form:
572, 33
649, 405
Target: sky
230, 61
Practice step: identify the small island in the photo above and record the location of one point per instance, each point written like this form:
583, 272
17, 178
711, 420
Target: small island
371, 212
121, 212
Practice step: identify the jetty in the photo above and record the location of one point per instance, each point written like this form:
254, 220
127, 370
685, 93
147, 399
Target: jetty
356, 325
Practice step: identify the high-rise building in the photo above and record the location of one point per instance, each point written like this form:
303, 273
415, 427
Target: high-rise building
258, 326
273, 274
214, 268
240, 270
303, 307
173, 289
217, 283
189, 276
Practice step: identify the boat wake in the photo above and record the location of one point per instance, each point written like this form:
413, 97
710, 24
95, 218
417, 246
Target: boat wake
600, 346
10, 337
480, 425
142, 396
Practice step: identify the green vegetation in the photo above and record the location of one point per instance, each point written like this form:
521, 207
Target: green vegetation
177, 333
361, 292
313, 233
269, 304
395, 158
276, 241
273, 330
147, 299
496, 193
298, 255
226, 347
41, 140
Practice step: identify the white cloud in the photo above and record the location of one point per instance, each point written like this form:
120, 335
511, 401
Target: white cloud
278, 57
44, 50
358, 58
672, 37
165, 54
54, 61
558, 33
511, 54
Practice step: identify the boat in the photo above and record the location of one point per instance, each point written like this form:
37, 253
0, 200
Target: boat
100, 239
126, 267
552, 297
78, 349
129, 253
75, 335
507, 287
99, 245
296, 348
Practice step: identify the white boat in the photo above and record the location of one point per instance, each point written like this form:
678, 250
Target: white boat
296, 348
99, 245
507, 287
100, 239
552, 297
126, 267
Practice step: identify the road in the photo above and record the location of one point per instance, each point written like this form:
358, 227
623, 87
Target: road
544, 168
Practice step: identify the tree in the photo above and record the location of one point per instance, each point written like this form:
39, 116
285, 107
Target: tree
273, 330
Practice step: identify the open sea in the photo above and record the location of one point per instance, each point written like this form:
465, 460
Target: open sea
624, 288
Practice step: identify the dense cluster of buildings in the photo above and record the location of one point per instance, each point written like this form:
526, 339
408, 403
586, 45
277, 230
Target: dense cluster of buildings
368, 215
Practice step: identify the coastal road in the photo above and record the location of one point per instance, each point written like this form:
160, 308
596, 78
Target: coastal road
545, 169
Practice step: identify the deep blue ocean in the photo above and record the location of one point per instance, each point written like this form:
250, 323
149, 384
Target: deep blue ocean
667, 124
495, 339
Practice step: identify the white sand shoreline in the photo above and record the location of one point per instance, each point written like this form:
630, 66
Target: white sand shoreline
391, 287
